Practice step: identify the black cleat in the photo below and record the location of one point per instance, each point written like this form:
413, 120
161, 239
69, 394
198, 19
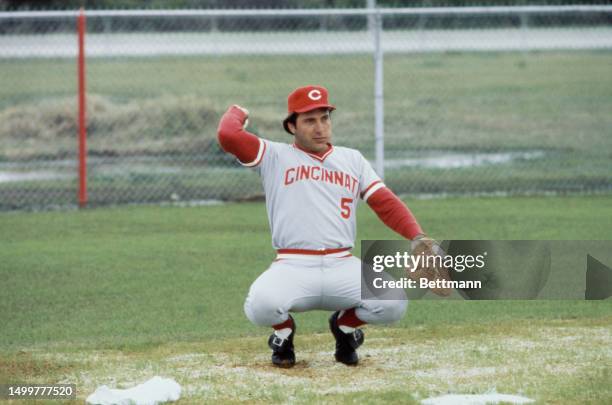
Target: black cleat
346, 343
283, 354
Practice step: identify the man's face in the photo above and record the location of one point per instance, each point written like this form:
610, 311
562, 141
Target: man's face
313, 130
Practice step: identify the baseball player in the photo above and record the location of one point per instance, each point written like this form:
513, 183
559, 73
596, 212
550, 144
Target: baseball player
312, 188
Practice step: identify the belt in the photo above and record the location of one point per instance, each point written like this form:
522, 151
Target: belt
318, 252
307, 254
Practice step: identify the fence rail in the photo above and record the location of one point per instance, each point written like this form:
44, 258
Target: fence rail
494, 10
476, 99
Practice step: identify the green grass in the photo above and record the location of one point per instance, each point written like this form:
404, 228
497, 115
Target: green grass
119, 295
105, 260
458, 101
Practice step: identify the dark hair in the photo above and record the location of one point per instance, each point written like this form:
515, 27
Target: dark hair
293, 120
290, 119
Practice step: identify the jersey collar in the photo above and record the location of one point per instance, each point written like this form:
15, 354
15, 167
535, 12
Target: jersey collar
319, 156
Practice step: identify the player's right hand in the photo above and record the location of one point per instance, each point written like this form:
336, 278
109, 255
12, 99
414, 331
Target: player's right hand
245, 123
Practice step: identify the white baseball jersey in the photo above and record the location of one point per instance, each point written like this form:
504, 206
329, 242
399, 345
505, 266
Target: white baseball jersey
311, 200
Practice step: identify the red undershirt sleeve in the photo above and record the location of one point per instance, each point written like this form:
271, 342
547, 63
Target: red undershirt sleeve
394, 213
235, 140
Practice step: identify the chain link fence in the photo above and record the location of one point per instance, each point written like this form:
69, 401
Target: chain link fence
476, 100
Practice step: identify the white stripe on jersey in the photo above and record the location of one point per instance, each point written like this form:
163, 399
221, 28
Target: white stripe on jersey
377, 185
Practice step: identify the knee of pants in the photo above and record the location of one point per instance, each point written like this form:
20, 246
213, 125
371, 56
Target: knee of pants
385, 311
264, 310
395, 310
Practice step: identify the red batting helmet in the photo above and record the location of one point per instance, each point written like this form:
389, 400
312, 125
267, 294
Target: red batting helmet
305, 99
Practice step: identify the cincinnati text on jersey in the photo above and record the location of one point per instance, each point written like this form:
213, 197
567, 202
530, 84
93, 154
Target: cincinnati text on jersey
318, 173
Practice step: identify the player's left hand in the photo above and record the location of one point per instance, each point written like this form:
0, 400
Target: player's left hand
431, 271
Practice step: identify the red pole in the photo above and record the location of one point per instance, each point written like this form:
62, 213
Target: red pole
82, 110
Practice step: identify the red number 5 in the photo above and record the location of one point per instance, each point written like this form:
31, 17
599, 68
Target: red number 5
345, 207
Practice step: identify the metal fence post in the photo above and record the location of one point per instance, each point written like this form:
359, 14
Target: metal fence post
82, 112
379, 112
371, 6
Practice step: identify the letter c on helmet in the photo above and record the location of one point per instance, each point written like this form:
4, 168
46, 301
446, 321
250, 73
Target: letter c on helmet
314, 95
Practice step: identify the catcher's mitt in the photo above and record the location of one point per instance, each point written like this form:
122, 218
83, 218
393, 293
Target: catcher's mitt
432, 269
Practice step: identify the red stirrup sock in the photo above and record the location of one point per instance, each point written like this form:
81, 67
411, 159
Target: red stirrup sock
348, 321
283, 330
287, 324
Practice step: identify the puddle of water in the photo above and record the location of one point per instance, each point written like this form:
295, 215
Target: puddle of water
8, 177
18, 172
454, 160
